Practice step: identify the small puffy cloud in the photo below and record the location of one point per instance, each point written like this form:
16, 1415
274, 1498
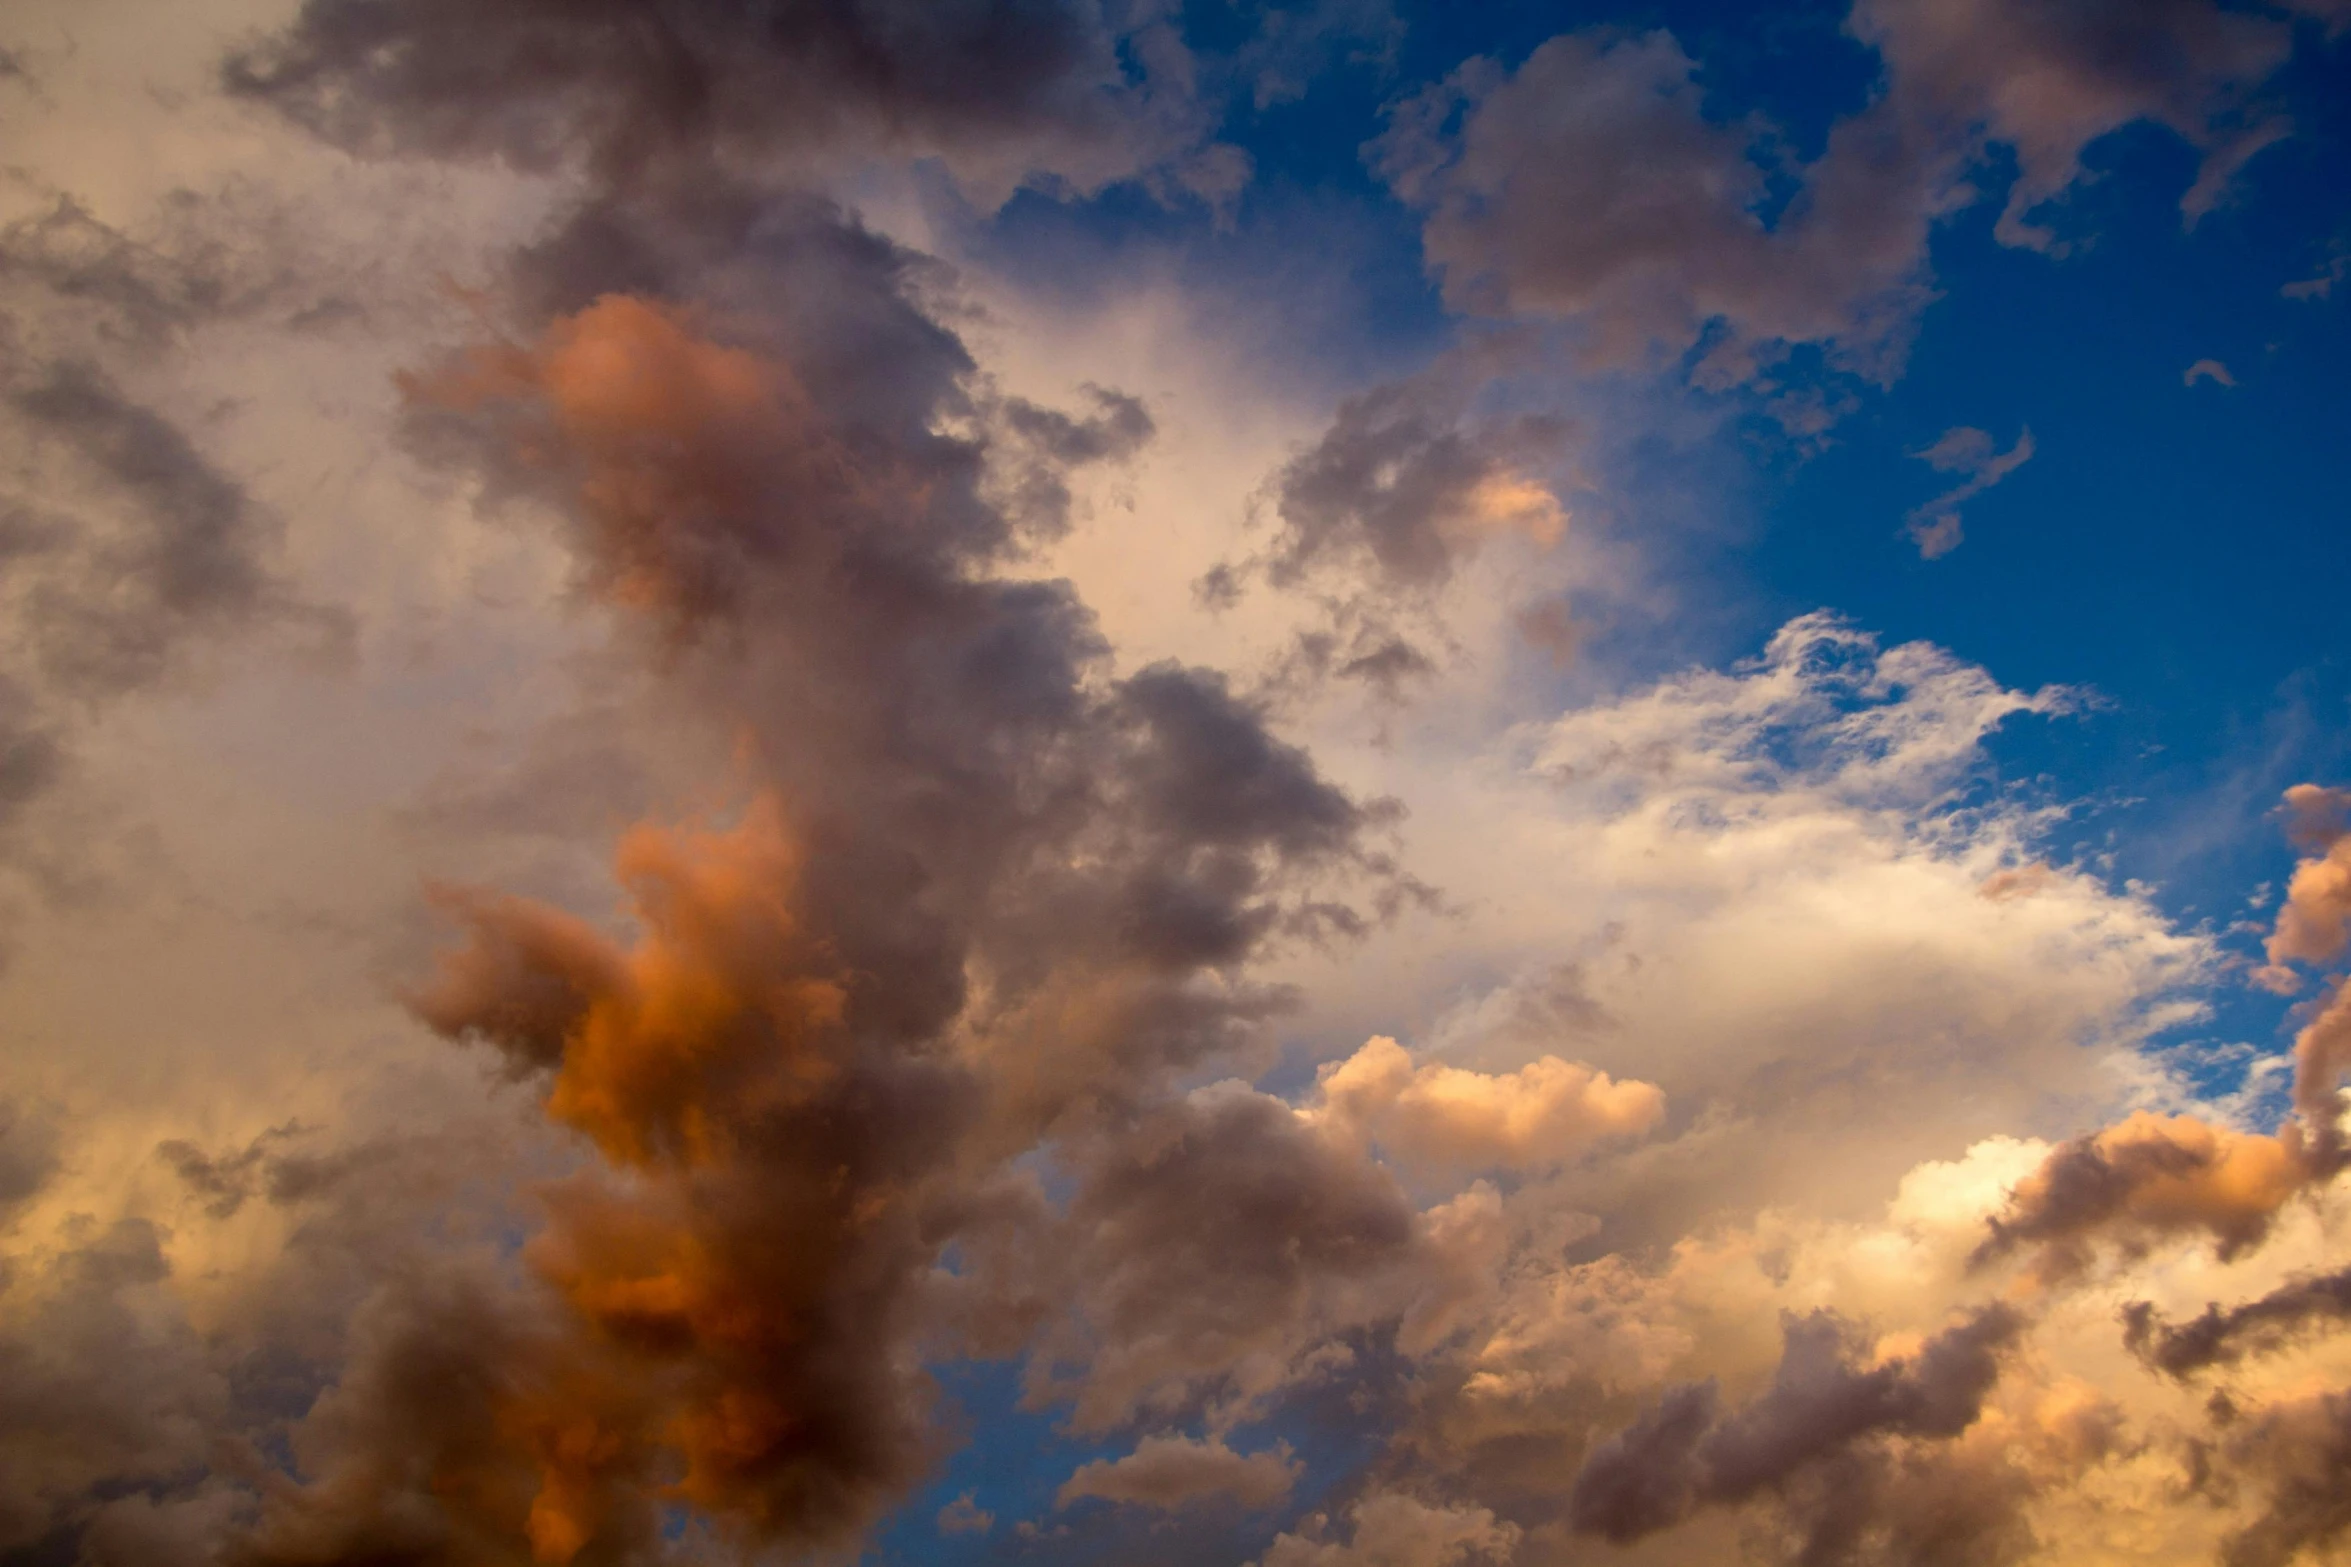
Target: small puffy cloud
1391, 1529
2321, 284
2208, 370
2314, 923
1168, 1472
965, 1516
1433, 1116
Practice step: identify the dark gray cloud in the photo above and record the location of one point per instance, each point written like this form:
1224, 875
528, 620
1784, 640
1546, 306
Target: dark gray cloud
185, 557
128, 1438
1039, 448
129, 551
1403, 482
2301, 1450
137, 292
28, 1157
104, 1389
989, 901
2302, 1309
1815, 1438
1001, 91
1229, 1186
1591, 184
1411, 481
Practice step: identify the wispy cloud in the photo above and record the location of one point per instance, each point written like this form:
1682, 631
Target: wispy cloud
1935, 527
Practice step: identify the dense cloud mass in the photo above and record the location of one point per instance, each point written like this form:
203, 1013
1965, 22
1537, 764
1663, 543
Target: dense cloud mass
1001, 91
1705, 1114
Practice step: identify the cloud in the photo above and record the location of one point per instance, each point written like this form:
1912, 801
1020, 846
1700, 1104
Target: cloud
1293, 47
28, 1157
1304, 1237
2152, 1177
1395, 1530
1935, 527
1381, 517
1403, 485
981, 901
2145, 1179
2314, 922
1686, 1451
2208, 370
1546, 1113
1178, 1471
941, 1016
1000, 93
1592, 185
2297, 1448
2299, 1309
2048, 85
106, 1385
965, 1516
130, 552
2321, 284
2316, 817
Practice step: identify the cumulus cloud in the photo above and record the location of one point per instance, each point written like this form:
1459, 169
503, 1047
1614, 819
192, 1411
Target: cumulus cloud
1001, 93
1591, 184
1306, 1239
106, 1384
1177, 1471
965, 1516
1410, 485
2297, 1450
2152, 1177
1391, 1529
2314, 923
983, 899
1818, 1408
941, 1022
2048, 85
2149, 1178
1428, 1114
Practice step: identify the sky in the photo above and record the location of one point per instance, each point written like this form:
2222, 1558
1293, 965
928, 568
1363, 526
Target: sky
1354, 784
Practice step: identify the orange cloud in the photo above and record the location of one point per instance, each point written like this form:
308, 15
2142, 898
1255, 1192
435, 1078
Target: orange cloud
741, 1268
673, 447
1545, 1113
2146, 1178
